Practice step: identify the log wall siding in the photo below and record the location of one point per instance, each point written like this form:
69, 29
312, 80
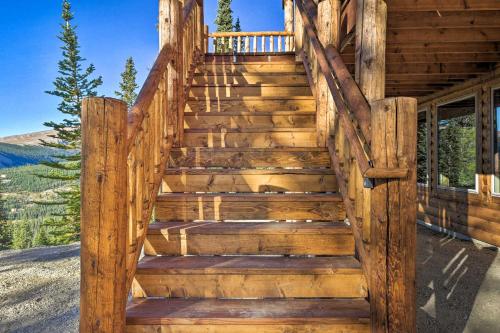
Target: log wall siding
473, 213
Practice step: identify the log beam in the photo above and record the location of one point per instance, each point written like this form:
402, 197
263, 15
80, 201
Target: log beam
103, 292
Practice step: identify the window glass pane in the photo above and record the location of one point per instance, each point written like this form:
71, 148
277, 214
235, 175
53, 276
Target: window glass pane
457, 144
496, 140
422, 174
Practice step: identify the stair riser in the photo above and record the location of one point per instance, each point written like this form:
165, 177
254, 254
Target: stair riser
251, 78
249, 183
251, 139
173, 245
217, 210
234, 91
226, 328
249, 285
253, 105
249, 121
276, 58
190, 158
252, 68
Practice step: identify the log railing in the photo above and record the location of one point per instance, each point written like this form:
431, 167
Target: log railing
251, 42
124, 158
373, 152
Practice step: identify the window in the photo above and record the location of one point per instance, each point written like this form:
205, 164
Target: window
457, 144
422, 146
496, 140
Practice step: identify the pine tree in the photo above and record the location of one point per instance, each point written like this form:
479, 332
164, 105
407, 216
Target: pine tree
237, 28
5, 227
22, 235
128, 85
224, 20
73, 84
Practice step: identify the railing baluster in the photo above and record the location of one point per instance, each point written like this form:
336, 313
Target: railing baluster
239, 44
279, 44
271, 43
247, 44
263, 41
231, 45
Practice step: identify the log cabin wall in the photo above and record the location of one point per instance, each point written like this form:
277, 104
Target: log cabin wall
473, 212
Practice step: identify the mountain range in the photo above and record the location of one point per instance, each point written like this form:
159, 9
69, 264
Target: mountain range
25, 149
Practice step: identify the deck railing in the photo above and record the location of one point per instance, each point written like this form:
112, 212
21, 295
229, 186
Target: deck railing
124, 158
373, 151
251, 42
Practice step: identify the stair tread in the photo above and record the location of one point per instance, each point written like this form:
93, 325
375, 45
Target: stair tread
261, 265
221, 85
252, 196
227, 171
248, 228
251, 130
268, 311
250, 149
249, 113
251, 98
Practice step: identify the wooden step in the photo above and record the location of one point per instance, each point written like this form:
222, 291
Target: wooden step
222, 91
271, 58
248, 316
251, 67
235, 120
251, 138
251, 78
250, 206
249, 158
249, 277
251, 104
249, 238
249, 180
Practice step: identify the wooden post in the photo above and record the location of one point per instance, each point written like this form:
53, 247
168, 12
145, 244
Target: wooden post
103, 293
328, 33
169, 29
393, 211
298, 34
200, 19
207, 39
288, 8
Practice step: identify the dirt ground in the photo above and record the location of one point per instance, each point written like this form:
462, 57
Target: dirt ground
458, 287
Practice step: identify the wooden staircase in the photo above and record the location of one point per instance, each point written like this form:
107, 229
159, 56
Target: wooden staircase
250, 233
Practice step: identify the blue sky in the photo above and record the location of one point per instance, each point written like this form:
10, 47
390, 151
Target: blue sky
109, 32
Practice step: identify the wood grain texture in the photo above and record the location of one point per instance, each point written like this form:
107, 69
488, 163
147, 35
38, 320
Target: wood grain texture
253, 104
249, 158
254, 138
104, 215
189, 207
251, 78
249, 238
249, 90
236, 180
249, 312
247, 276
235, 120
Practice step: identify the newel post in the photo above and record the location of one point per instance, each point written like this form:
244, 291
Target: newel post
288, 9
103, 292
394, 215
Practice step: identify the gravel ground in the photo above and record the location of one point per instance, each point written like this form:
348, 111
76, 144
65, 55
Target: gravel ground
458, 287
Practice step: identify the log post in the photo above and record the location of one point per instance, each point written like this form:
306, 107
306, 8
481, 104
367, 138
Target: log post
288, 8
393, 211
103, 294
169, 30
328, 33
200, 29
298, 34
207, 39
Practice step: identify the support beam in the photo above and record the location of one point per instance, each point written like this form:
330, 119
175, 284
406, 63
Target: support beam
103, 292
393, 212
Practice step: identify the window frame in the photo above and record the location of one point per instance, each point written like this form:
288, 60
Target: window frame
493, 138
476, 96
428, 139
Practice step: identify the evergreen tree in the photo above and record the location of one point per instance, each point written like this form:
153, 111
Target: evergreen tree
22, 235
5, 228
128, 85
41, 237
73, 84
237, 28
224, 20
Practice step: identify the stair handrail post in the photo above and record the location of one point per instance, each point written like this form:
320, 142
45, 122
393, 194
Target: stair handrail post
170, 34
103, 292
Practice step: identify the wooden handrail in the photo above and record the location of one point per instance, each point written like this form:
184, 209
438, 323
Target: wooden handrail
147, 93
350, 102
250, 34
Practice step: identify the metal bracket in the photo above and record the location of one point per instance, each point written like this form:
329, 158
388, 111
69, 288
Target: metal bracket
368, 183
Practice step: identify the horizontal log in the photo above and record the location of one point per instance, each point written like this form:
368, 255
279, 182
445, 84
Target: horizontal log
435, 19
438, 5
443, 35
251, 104
249, 90
386, 173
250, 34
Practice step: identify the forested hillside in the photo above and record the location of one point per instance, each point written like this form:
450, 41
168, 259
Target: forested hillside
18, 155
